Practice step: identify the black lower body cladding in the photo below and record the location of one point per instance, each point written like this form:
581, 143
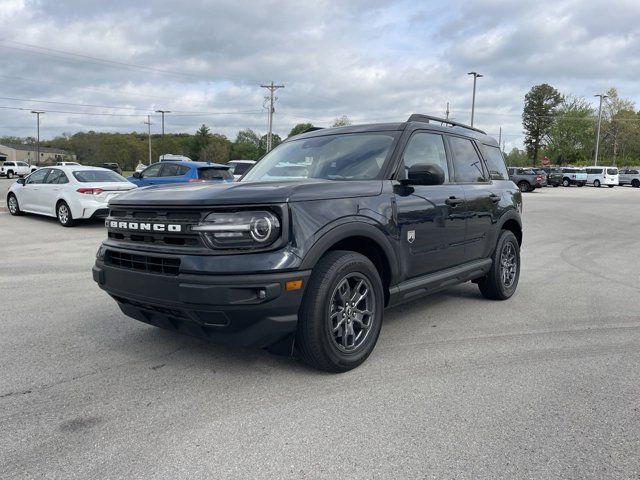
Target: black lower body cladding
254, 310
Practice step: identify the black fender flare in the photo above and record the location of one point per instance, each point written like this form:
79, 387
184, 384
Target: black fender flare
511, 214
334, 233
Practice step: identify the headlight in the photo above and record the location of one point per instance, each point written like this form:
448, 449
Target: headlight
248, 229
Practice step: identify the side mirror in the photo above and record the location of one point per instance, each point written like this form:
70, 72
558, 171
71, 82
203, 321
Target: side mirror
21, 181
137, 174
424, 174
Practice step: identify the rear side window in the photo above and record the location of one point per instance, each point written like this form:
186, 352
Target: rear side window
98, 176
466, 162
214, 174
594, 171
54, 176
495, 162
8, 164
173, 170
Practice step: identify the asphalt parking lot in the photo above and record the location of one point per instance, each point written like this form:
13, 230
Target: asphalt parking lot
545, 385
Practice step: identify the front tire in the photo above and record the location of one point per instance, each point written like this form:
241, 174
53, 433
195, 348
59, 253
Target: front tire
502, 280
13, 205
341, 313
566, 182
9, 175
611, 186
63, 212
596, 183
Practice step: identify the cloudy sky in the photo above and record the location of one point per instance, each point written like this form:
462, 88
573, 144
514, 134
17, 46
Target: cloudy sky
105, 65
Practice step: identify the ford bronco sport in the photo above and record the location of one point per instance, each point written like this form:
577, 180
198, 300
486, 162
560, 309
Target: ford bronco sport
318, 238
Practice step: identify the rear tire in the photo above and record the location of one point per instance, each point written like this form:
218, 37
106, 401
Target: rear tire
635, 183
611, 186
524, 186
334, 334
9, 175
13, 205
502, 280
63, 212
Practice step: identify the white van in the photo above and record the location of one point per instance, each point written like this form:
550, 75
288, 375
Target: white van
597, 176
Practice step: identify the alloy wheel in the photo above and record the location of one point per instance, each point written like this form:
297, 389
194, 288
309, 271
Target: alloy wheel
351, 312
508, 265
63, 213
13, 205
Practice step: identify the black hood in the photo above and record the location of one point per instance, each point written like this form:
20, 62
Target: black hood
203, 194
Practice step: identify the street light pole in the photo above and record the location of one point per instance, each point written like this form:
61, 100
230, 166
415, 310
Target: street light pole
38, 113
148, 123
595, 160
476, 75
164, 150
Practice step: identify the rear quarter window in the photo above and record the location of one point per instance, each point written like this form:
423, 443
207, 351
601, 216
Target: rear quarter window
495, 163
214, 174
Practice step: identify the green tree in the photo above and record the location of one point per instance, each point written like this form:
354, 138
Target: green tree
246, 146
262, 147
200, 142
342, 121
540, 106
619, 128
299, 128
517, 158
218, 149
571, 136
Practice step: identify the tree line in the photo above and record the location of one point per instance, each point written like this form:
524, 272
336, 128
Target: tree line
563, 128
128, 149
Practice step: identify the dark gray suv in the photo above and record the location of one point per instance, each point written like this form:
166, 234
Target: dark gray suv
320, 236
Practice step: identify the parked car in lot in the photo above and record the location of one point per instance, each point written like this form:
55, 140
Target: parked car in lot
574, 176
554, 176
113, 167
165, 172
527, 179
598, 176
69, 193
629, 176
381, 214
240, 167
16, 169
64, 164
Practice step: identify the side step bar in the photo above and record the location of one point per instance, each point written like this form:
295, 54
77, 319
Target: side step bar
434, 282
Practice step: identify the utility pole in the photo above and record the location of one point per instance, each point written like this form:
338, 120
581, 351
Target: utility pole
500, 137
446, 113
595, 161
38, 113
148, 124
476, 75
164, 149
272, 88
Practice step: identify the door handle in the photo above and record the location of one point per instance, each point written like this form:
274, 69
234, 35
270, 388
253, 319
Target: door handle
453, 201
494, 198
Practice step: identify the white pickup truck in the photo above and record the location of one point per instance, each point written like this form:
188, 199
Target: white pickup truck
16, 169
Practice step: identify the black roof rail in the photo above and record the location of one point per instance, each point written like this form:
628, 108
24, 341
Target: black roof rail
418, 117
312, 129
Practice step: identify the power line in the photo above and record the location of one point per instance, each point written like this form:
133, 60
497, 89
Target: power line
77, 57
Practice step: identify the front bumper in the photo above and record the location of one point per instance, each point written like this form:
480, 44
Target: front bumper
251, 310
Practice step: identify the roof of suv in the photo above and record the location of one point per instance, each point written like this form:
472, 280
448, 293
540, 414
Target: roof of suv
432, 123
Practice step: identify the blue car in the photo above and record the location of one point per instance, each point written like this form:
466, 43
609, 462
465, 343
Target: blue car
163, 173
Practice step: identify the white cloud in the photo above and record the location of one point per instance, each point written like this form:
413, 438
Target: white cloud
373, 61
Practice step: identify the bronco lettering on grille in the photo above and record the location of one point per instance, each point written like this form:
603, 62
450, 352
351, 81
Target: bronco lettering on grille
143, 226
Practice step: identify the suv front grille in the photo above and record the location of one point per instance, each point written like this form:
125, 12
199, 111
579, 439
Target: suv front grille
142, 263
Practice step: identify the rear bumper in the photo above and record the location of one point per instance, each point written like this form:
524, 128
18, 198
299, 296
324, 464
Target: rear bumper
244, 310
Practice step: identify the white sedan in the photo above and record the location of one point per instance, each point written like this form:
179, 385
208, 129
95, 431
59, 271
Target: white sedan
69, 193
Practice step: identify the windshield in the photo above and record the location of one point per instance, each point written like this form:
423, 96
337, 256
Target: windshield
349, 156
612, 171
100, 176
208, 173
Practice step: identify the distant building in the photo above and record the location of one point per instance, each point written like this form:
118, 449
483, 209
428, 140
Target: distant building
29, 153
